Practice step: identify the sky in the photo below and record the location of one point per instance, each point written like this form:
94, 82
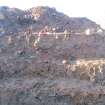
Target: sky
92, 9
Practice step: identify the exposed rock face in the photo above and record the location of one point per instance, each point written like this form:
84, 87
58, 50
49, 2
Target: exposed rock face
37, 76
13, 20
47, 69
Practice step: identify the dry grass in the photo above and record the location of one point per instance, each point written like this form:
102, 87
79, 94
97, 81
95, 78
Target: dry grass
85, 68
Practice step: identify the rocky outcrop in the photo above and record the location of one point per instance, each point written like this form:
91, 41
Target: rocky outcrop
38, 75
50, 69
13, 20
